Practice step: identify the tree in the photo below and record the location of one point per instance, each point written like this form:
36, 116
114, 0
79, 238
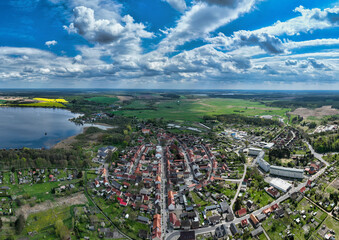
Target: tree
19, 224
0, 222
61, 230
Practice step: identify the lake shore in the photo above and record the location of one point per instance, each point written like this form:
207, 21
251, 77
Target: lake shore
66, 143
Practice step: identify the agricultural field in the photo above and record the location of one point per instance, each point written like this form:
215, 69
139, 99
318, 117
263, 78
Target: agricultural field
103, 100
58, 100
195, 109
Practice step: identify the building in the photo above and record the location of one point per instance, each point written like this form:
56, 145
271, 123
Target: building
234, 229
280, 184
254, 220
287, 172
156, 229
241, 212
272, 192
175, 222
187, 235
262, 163
257, 231
221, 232
254, 151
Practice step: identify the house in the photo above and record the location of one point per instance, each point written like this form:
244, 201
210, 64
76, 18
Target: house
175, 222
214, 220
244, 223
185, 224
257, 231
225, 208
156, 228
146, 131
279, 213
272, 192
187, 235
261, 217
241, 212
116, 185
254, 220
171, 202
143, 219
221, 232
234, 229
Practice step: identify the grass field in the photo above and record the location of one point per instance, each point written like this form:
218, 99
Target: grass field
103, 100
195, 109
42, 104
43, 222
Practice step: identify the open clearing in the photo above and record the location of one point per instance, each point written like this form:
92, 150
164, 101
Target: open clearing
74, 199
317, 112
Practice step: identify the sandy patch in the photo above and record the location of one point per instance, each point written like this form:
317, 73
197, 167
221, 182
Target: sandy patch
124, 98
318, 112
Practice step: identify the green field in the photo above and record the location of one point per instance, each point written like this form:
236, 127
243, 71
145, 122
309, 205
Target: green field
42, 104
195, 109
103, 100
43, 222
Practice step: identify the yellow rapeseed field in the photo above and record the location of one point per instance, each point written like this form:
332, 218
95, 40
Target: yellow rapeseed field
59, 100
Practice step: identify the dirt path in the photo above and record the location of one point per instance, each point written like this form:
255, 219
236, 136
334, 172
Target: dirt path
74, 199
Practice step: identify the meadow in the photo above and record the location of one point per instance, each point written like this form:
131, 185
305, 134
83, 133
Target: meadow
103, 100
195, 109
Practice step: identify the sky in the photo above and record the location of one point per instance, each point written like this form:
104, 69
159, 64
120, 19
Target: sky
170, 44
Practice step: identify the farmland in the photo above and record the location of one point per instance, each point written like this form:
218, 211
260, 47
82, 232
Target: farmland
103, 100
195, 109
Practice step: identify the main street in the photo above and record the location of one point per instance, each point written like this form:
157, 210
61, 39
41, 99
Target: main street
164, 212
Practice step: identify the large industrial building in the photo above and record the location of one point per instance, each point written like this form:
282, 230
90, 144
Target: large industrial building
287, 172
280, 184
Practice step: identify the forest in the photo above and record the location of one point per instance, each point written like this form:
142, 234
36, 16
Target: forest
325, 143
39, 158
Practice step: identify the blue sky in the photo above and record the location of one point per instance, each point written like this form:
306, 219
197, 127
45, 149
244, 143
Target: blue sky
184, 44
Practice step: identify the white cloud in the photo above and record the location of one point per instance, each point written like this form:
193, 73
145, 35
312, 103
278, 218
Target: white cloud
200, 20
310, 19
266, 42
179, 5
51, 43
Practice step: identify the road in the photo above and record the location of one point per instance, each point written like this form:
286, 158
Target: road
175, 234
163, 204
239, 187
316, 155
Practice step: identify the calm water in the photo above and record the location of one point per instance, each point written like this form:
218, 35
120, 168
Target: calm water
26, 127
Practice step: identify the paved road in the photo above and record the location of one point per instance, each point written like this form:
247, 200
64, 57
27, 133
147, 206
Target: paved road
239, 187
317, 155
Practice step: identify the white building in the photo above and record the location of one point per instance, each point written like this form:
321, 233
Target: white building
287, 172
280, 184
254, 151
262, 163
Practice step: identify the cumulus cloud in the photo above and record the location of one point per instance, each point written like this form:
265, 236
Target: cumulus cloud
310, 20
291, 62
51, 43
104, 31
179, 5
266, 42
317, 65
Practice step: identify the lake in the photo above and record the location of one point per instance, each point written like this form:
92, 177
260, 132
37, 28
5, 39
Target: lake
35, 127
